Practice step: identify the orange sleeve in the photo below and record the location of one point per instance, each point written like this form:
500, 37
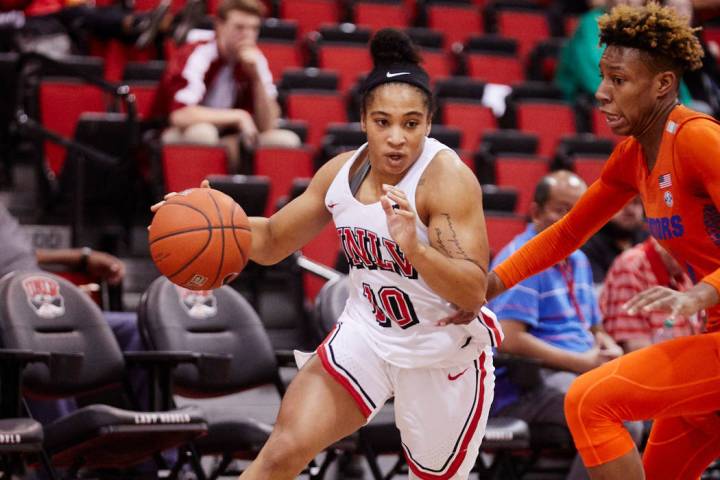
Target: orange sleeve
698, 146
601, 201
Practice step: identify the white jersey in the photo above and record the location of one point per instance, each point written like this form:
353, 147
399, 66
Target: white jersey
387, 295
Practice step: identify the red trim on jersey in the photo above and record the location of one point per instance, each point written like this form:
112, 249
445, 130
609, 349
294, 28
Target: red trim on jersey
462, 450
493, 325
327, 364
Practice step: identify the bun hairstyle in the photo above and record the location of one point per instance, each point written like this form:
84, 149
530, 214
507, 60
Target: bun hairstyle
390, 46
395, 60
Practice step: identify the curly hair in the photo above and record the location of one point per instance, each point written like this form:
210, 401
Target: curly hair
657, 30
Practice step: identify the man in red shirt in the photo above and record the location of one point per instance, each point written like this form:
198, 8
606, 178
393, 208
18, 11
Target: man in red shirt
221, 90
641, 267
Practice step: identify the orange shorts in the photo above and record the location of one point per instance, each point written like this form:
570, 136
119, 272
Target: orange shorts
676, 383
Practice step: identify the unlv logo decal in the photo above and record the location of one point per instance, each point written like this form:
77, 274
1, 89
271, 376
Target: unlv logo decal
198, 303
43, 295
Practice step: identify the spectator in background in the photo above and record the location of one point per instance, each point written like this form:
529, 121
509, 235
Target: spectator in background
644, 266
221, 90
552, 317
578, 68
57, 28
625, 229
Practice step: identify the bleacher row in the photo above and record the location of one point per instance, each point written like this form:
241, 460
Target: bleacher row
318, 59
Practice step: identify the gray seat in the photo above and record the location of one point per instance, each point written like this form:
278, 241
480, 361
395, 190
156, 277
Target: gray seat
44, 313
235, 354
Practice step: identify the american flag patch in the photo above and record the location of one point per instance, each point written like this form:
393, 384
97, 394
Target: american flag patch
664, 181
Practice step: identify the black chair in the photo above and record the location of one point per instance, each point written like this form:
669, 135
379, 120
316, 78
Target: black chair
217, 324
381, 436
250, 191
42, 312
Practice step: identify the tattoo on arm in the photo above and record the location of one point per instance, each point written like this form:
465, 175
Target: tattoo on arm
454, 244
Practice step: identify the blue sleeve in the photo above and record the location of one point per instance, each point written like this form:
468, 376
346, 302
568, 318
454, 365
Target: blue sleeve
521, 302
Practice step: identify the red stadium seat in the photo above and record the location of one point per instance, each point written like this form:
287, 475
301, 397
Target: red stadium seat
502, 228
527, 27
521, 172
144, 97
282, 165
280, 55
457, 22
377, 15
588, 167
549, 119
436, 63
348, 60
61, 103
471, 117
186, 165
495, 67
310, 14
318, 108
324, 248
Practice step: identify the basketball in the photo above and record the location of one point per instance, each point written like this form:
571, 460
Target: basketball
200, 239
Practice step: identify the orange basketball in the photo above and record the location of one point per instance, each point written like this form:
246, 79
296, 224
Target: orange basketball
200, 239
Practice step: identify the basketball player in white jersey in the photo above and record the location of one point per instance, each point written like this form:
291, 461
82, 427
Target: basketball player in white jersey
409, 216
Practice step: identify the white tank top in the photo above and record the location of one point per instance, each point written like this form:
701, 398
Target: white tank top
387, 295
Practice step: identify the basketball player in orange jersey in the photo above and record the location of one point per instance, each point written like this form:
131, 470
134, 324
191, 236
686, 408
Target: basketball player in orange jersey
672, 160
409, 217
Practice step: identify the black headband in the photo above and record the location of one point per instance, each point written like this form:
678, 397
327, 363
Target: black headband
409, 73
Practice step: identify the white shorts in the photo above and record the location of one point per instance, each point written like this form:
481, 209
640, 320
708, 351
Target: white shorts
441, 412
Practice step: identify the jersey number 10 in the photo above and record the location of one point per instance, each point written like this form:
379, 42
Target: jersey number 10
394, 306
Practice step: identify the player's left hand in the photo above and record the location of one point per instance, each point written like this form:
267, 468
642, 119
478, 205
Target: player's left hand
400, 218
663, 299
461, 317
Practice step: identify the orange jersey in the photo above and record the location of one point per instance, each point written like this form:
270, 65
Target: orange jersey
681, 196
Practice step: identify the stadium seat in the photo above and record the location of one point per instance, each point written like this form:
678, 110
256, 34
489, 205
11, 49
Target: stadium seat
348, 59
251, 192
521, 172
549, 119
456, 21
233, 353
460, 103
499, 199
502, 228
186, 165
282, 165
61, 103
450, 136
585, 147
543, 59
437, 61
46, 313
377, 14
526, 24
277, 41
493, 59
318, 108
339, 138
310, 14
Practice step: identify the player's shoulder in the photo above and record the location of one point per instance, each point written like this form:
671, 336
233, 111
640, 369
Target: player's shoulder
331, 168
446, 164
